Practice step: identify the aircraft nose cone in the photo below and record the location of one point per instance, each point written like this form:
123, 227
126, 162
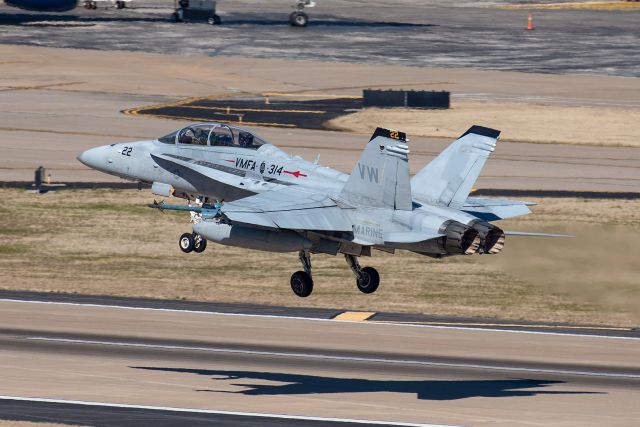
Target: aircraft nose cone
94, 157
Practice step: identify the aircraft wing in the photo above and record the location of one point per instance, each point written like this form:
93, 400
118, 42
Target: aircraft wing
289, 208
495, 209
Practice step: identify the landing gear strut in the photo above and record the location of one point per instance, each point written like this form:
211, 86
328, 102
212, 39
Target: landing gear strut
193, 242
367, 278
301, 281
298, 18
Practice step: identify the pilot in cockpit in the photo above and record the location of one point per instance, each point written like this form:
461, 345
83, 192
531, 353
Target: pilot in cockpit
245, 139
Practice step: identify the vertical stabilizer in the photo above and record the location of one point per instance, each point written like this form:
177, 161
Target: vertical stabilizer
448, 179
381, 176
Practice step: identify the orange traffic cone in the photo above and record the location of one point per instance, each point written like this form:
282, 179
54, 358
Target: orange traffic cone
530, 22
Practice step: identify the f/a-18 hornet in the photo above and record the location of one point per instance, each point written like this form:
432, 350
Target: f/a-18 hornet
244, 191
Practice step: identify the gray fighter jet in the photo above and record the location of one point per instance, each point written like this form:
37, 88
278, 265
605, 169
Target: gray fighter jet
245, 192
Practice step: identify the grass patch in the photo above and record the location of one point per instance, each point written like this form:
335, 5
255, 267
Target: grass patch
13, 249
110, 243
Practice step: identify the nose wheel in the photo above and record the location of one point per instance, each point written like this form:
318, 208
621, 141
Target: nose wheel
192, 242
367, 278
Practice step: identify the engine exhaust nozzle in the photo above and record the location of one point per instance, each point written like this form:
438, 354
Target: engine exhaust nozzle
460, 239
491, 238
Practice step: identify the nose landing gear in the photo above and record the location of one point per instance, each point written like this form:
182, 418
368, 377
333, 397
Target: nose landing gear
192, 242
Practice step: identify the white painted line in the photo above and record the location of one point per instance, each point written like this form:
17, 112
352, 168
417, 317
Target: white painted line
334, 357
315, 319
216, 412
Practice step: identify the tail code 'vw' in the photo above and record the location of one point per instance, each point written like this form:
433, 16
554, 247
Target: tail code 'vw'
381, 176
370, 172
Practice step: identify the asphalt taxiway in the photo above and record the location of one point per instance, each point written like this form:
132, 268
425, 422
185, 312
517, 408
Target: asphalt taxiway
55, 103
434, 33
65, 354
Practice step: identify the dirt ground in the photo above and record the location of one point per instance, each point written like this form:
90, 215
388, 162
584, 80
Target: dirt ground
109, 242
519, 122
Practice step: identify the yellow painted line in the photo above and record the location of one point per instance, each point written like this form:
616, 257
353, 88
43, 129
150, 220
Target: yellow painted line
354, 316
231, 109
175, 103
202, 120
513, 325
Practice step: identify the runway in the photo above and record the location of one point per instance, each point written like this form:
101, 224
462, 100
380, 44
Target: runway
292, 366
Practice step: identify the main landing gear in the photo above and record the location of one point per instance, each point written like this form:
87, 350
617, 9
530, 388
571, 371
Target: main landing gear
301, 281
192, 242
367, 278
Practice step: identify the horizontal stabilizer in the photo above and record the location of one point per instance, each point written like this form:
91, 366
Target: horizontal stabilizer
527, 234
495, 209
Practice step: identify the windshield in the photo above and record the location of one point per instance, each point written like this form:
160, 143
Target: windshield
215, 135
194, 135
168, 139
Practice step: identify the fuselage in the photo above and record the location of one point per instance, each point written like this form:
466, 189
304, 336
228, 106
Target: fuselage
224, 172
220, 162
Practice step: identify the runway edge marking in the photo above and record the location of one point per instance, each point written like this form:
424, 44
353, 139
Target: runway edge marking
218, 412
321, 356
318, 319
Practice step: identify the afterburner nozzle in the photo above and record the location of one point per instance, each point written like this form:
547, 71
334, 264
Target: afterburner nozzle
492, 238
460, 239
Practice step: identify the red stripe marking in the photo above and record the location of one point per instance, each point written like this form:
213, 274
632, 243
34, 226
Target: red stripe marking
297, 174
230, 161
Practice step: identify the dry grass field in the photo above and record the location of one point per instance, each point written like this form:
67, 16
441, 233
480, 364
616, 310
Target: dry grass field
519, 122
109, 242
10, 423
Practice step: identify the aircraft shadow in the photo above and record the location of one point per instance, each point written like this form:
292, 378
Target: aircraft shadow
424, 390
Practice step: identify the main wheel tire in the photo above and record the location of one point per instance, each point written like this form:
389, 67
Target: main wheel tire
199, 244
187, 242
298, 19
301, 284
368, 281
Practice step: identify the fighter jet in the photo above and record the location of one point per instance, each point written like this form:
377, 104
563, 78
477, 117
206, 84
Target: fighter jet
243, 191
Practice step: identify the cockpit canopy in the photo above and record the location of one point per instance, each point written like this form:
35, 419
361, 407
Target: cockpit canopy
214, 135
